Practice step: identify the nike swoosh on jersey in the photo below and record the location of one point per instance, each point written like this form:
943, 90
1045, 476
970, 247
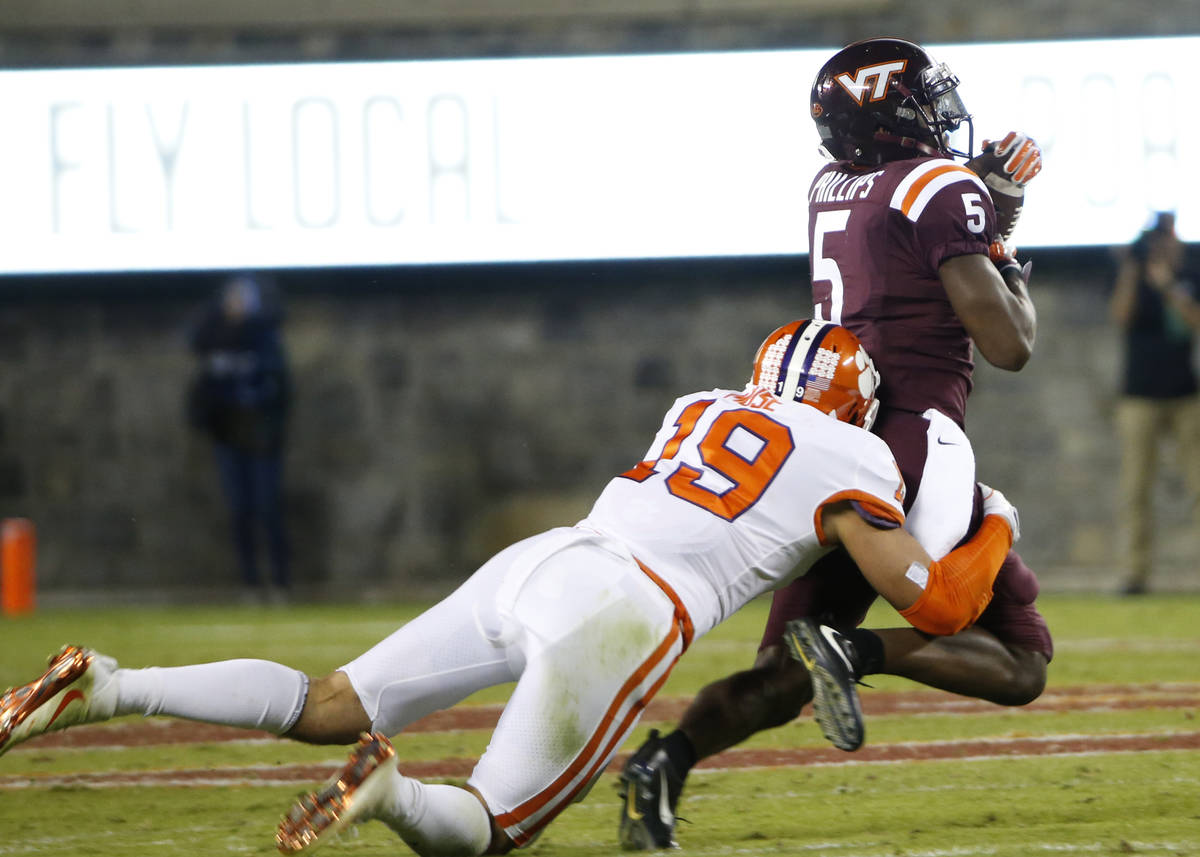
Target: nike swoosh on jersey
947, 442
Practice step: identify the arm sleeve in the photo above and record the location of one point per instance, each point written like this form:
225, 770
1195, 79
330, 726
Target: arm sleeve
959, 585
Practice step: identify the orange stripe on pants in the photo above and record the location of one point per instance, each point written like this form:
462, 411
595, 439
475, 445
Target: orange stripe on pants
593, 758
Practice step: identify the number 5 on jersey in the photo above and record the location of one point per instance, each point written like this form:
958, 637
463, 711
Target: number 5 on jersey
824, 267
749, 474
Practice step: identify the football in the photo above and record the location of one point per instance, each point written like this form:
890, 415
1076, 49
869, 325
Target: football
1007, 196
1005, 168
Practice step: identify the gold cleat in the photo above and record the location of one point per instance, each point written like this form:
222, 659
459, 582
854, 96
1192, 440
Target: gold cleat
347, 797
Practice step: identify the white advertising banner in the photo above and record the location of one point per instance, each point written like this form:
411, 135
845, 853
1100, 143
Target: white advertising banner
682, 155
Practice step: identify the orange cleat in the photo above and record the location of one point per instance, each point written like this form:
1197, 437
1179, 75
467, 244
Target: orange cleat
347, 797
75, 688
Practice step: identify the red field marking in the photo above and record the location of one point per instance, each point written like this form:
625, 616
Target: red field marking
730, 759
134, 733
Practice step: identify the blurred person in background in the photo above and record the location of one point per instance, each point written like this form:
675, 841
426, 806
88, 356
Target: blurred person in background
1157, 308
239, 398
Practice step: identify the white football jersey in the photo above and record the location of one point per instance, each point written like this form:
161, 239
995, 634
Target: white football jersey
727, 503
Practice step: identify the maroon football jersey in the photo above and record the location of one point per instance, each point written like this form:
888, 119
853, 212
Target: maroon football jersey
877, 236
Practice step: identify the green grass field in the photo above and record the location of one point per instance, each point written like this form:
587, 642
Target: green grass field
1094, 801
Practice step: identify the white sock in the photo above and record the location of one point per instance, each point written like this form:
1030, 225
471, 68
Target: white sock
437, 820
252, 694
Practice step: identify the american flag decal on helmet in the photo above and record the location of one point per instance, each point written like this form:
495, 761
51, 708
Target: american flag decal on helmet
822, 364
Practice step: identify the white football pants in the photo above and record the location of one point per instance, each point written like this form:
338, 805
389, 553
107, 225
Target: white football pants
587, 634
941, 513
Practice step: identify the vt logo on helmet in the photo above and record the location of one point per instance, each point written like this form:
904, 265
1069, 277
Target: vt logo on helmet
872, 79
820, 364
884, 100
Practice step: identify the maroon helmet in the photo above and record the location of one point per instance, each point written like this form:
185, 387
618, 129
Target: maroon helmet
885, 99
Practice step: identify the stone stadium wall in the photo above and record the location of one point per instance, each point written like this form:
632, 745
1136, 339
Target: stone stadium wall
441, 415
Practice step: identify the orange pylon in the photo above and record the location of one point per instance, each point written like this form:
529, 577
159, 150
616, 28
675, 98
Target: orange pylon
18, 579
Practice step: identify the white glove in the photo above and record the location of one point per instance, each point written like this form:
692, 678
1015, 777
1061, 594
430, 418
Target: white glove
995, 503
1024, 157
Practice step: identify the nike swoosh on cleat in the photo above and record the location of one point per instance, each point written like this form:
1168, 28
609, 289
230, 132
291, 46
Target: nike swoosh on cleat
798, 649
66, 700
664, 804
631, 803
831, 636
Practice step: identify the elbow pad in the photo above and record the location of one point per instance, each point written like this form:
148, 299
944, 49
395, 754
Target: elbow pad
958, 587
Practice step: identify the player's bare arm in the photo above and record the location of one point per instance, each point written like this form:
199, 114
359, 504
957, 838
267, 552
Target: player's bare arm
991, 295
936, 596
884, 555
995, 310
